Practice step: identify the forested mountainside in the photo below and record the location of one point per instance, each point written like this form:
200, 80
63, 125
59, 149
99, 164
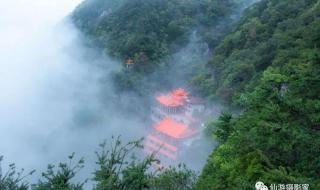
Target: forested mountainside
266, 63
270, 65
154, 29
150, 32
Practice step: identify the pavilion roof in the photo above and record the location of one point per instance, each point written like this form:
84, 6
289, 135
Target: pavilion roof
174, 129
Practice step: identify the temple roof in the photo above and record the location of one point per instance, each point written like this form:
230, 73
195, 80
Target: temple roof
168, 101
174, 129
180, 93
176, 98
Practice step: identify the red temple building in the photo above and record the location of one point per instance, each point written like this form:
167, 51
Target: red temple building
174, 125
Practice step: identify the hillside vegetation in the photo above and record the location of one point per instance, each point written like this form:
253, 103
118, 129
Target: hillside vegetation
153, 29
269, 65
150, 32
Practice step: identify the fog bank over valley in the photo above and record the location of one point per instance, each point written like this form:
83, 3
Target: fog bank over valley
50, 100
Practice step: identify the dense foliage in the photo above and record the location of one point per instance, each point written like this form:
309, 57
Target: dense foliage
270, 65
150, 32
267, 29
147, 30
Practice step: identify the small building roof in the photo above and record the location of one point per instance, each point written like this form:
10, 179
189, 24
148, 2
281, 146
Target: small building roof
168, 101
176, 98
180, 93
174, 129
130, 62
